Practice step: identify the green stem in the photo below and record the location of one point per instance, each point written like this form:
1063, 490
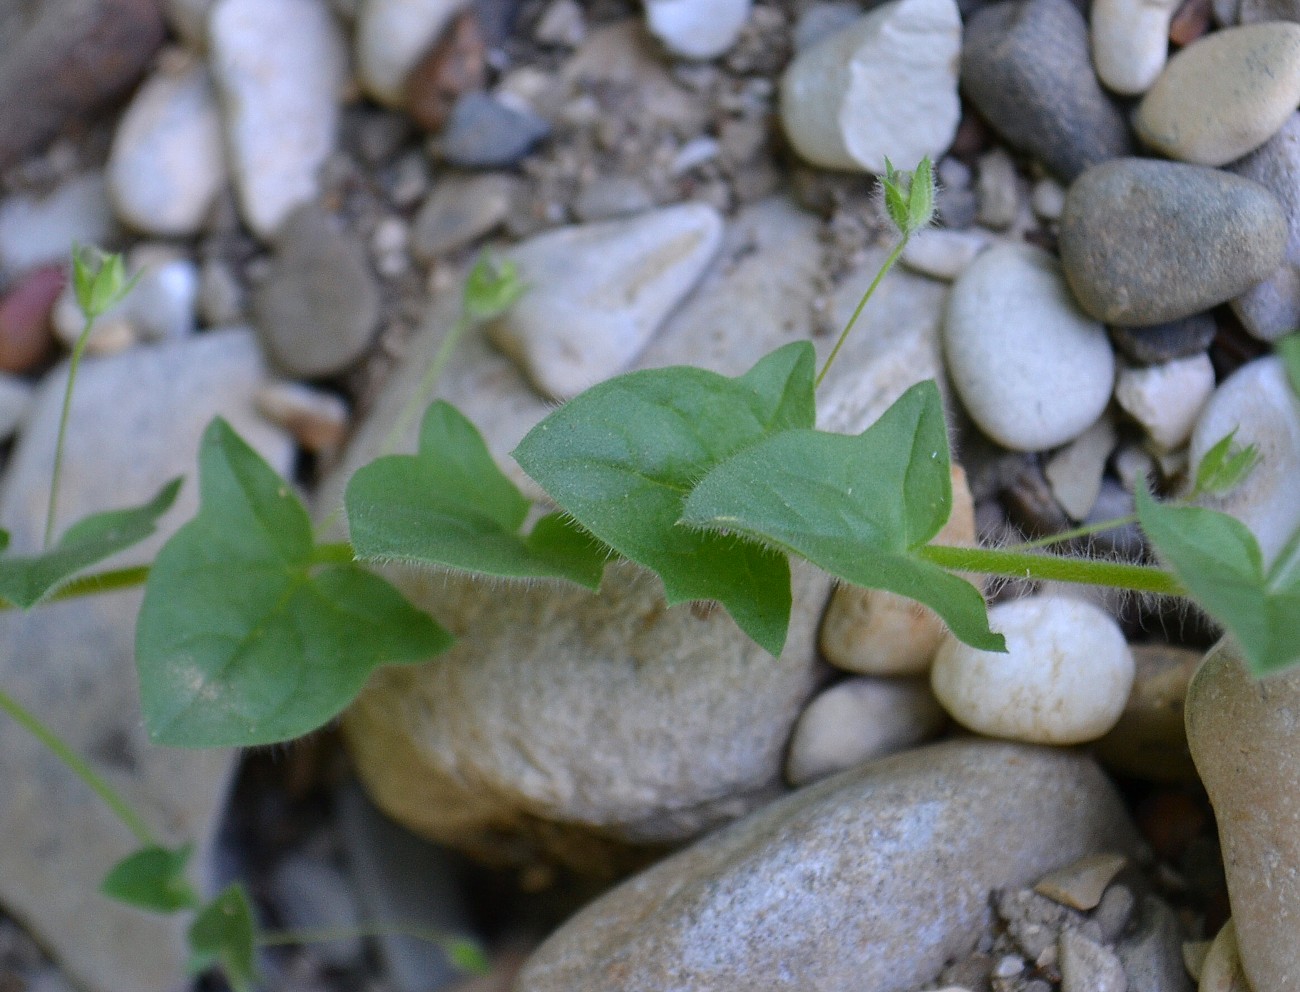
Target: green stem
844, 334
1018, 565
335, 553
1069, 535
77, 351
319, 935
424, 392
78, 766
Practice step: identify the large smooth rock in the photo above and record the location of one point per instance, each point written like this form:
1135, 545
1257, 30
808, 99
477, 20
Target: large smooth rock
1145, 242
279, 67
135, 423
1026, 67
64, 59
1032, 370
841, 103
871, 879
1246, 744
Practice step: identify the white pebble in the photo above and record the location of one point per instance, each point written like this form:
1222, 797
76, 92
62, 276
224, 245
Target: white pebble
941, 253
696, 30
1130, 42
1048, 199
859, 720
167, 165
1167, 398
1075, 472
391, 36
35, 230
600, 291
1064, 679
841, 103
279, 66
1032, 369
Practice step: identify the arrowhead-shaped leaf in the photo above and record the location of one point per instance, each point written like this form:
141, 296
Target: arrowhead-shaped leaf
856, 506
450, 506
222, 936
26, 580
622, 457
152, 878
245, 637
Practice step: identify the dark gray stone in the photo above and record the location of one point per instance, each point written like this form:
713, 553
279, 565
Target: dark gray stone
1152, 955
1162, 343
871, 879
1146, 242
1025, 65
318, 305
484, 133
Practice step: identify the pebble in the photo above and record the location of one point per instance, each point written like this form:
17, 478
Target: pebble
38, 230
1271, 309
311, 894
25, 338
1087, 966
1218, 235
694, 30
876, 632
1159, 343
1115, 910
1064, 679
1224, 95
1081, 884
1130, 42
318, 420
1258, 402
942, 253
318, 306
167, 165
1242, 735
1032, 370
279, 67
859, 720
1074, 473
1026, 67
484, 133
1166, 399
391, 36
460, 210
54, 853
1149, 741
872, 879
840, 102
1048, 199
606, 197
600, 291
562, 24
15, 400
820, 20
456, 65
997, 190
64, 59
220, 301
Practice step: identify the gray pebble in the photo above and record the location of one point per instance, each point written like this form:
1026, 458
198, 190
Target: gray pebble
1087, 966
1026, 66
484, 133
1161, 343
1146, 242
996, 188
310, 893
460, 210
612, 196
1152, 954
1114, 911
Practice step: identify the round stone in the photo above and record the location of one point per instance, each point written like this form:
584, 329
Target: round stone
1130, 42
1032, 370
1146, 242
1064, 678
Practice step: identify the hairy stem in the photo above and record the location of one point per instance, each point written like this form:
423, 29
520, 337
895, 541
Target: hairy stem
60, 749
77, 351
423, 393
1020, 565
1070, 535
844, 334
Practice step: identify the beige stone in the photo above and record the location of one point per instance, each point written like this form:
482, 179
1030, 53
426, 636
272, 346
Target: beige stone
1149, 741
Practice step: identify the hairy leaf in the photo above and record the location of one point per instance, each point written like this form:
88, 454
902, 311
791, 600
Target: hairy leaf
153, 878
222, 936
1218, 560
451, 506
623, 456
245, 637
26, 580
856, 506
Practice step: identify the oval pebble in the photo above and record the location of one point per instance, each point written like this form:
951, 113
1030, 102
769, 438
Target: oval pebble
1032, 370
391, 36
1146, 242
1064, 679
1224, 95
697, 30
1130, 42
841, 104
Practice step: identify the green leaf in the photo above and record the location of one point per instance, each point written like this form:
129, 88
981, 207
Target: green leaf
450, 506
1218, 561
623, 456
920, 197
1224, 466
248, 636
222, 936
152, 878
1288, 349
99, 280
491, 288
468, 956
856, 506
26, 580
894, 185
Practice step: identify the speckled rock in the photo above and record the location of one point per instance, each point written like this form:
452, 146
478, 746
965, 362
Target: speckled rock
868, 880
840, 103
1224, 95
1242, 733
1064, 679
1145, 242
1272, 308
1026, 67
1032, 370
1130, 42
1258, 403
